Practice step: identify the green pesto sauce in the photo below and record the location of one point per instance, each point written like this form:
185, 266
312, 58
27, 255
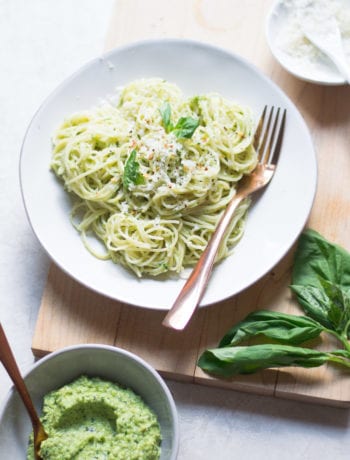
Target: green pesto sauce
93, 419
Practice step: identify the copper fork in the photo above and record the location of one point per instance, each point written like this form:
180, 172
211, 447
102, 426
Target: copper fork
267, 141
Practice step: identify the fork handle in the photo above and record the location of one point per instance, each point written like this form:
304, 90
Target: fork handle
193, 290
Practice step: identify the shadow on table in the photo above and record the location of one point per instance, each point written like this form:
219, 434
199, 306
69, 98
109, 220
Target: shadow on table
228, 402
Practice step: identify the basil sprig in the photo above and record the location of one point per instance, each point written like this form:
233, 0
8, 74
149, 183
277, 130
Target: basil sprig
184, 128
132, 175
321, 283
228, 361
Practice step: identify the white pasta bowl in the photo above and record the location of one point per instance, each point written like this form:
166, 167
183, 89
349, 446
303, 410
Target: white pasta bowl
107, 362
274, 220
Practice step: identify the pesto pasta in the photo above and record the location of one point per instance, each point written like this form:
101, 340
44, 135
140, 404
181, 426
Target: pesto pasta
152, 174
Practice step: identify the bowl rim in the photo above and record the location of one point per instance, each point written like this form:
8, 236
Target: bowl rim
110, 348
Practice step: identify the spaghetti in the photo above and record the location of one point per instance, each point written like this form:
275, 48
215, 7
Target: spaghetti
152, 174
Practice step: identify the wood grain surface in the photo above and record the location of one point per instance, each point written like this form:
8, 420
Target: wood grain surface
71, 314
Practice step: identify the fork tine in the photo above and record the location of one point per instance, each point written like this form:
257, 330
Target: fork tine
258, 130
268, 141
267, 156
276, 151
264, 136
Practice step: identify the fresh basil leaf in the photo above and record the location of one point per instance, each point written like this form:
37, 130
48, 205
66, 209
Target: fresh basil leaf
229, 361
316, 259
328, 305
282, 327
314, 302
339, 305
321, 281
185, 127
165, 112
132, 175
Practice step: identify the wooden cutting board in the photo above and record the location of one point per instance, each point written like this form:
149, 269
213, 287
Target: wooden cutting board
71, 314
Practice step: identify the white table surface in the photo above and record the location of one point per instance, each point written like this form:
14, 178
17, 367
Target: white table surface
42, 42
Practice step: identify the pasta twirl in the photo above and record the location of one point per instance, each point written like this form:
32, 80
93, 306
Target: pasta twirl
152, 174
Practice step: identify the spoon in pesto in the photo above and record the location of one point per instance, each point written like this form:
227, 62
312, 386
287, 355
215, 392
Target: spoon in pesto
8, 360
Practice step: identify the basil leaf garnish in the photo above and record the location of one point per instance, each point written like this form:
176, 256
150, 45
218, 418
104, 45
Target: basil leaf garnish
165, 112
184, 128
132, 175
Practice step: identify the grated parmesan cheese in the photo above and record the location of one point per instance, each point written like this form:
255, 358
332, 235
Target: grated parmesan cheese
292, 40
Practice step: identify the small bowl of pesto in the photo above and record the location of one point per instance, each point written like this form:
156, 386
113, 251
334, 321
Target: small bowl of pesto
96, 402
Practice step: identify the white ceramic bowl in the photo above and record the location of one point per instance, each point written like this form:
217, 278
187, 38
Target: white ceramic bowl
320, 70
273, 224
61, 367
